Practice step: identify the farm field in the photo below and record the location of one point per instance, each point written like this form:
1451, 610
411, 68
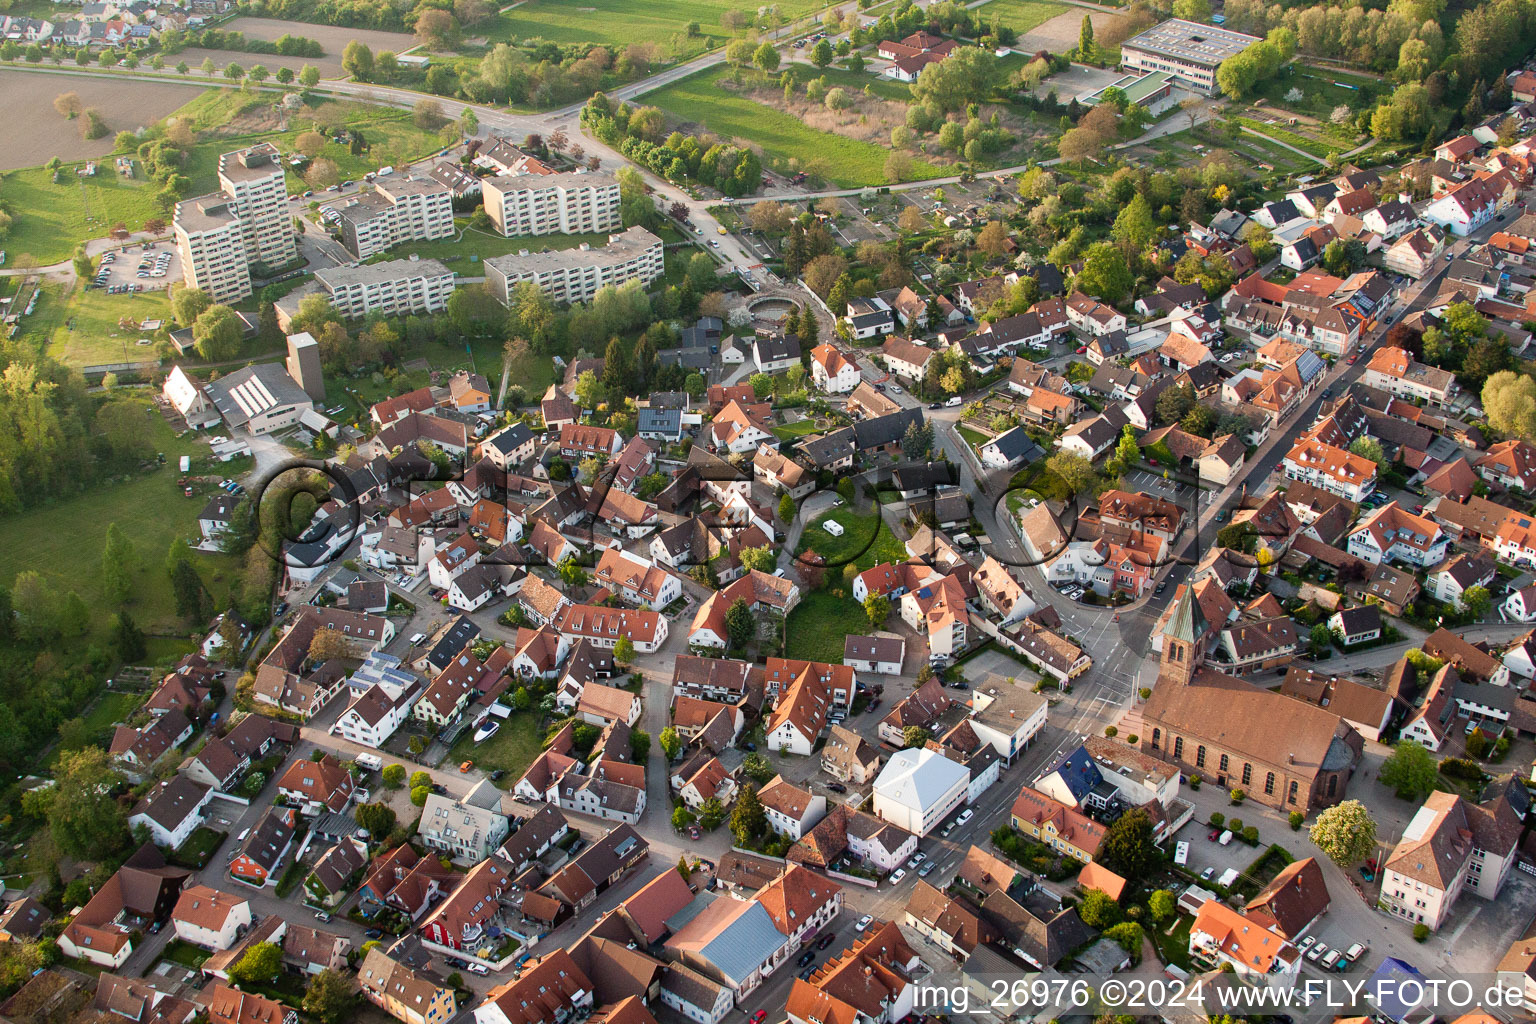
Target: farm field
40, 134
333, 40
146, 507
1021, 15
619, 22
850, 162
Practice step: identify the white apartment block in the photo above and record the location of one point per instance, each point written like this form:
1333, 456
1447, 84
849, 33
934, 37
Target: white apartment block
393, 287
212, 246
552, 204
575, 275
398, 210
253, 180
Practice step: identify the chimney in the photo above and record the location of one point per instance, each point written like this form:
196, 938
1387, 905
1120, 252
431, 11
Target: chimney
1290, 758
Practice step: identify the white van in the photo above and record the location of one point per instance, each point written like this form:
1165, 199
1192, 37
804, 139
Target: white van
957, 400
1226, 837
833, 527
370, 761
416, 638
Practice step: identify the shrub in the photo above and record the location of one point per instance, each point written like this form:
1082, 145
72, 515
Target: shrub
1194, 782
1111, 731
1420, 932
1238, 796
1218, 819
1132, 738
1235, 824
1296, 819
1251, 836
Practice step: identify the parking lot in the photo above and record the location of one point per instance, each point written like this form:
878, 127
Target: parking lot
1150, 483
137, 269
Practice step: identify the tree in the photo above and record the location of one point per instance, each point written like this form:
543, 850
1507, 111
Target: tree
258, 966
309, 76
68, 105
1127, 848
1411, 770
993, 238
671, 743
1161, 906
1192, 10
378, 818
1075, 472
218, 331
436, 29
1085, 38
682, 817
1368, 447
1475, 601
740, 626
1321, 639
356, 60
878, 608
914, 737
329, 645
420, 778
1099, 911
821, 54
128, 638
756, 766
912, 220
393, 775
330, 997
787, 509
572, 573
1345, 832
187, 304
1105, 274
117, 565
419, 795
428, 114
624, 651
917, 440
748, 820
1134, 225
284, 75
766, 58
1509, 400
84, 817
322, 174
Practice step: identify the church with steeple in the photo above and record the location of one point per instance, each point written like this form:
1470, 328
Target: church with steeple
1280, 751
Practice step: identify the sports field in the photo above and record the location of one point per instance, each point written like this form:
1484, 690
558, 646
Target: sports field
1020, 15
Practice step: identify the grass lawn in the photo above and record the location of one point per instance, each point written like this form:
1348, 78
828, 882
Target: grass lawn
973, 437
781, 137
1321, 91
512, 749
82, 327
1304, 143
620, 22
148, 508
464, 254
816, 628
1020, 15
866, 540
1173, 946
51, 219
799, 428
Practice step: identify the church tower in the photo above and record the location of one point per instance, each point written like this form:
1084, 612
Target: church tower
1184, 641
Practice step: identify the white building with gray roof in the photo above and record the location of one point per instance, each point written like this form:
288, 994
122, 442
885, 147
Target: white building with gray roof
261, 398
575, 275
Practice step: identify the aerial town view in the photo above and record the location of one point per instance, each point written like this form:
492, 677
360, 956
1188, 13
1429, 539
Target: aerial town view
690, 512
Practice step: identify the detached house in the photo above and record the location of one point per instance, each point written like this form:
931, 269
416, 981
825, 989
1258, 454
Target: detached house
832, 371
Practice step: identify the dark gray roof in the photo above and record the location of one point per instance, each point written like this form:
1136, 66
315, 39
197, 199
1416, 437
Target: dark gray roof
883, 430
511, 439
1017, 444
660, 421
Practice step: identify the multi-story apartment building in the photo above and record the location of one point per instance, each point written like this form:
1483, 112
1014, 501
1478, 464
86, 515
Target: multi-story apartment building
1451, 845
398, 210
552, 204
253, 180
212, 246
575, 275
393, 287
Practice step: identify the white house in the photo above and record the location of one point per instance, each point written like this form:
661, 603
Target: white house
210, 918
868, 318
1009, 449
172, 811
1228, 937
1393, 534
919, 788
1465, 208
792, 811
1356, 625
882, 655
1520, 606
376, 713
832, 371
453, 558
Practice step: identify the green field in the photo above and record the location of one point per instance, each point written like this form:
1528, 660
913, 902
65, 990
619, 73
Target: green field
1302, 142
51, 219
512, 749
849, 162
1020, 15
816, 628
147, 507
96, 336
866, 540
620, 22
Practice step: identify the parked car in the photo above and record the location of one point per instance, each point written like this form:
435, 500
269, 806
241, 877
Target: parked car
322, 916
863, 923
373, 933
965, 816
927, 869
806, 957
837, 787
826, 940
478, 969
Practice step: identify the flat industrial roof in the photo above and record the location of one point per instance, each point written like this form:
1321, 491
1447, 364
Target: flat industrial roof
1191, 41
